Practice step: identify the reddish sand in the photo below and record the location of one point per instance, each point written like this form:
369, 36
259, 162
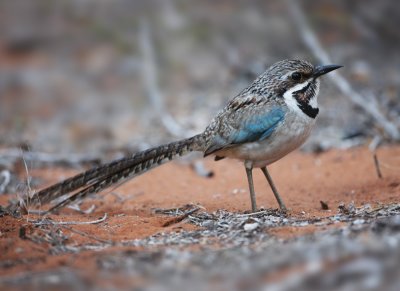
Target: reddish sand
303, 180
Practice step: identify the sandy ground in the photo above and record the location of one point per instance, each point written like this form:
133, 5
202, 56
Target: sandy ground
334, 177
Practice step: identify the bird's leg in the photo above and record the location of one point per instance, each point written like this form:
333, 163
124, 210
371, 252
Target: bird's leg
276, 193
249, 172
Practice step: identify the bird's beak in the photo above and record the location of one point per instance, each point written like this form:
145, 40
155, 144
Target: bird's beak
322, 70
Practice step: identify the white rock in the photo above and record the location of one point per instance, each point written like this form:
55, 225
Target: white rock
251, 226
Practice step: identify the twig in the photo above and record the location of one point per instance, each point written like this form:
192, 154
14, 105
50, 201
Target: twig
5, 178
312, 42
44, 222
181, 217
374, 143
77, 207
151, 83
176, 211
84, 234
252, 214
373, 146
377, 167
24, 204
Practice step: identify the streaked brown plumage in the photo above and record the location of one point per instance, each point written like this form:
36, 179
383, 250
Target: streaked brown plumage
267, 120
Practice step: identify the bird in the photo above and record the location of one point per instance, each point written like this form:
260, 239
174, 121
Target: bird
270, 118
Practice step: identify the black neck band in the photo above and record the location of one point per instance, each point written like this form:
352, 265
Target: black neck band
307, 109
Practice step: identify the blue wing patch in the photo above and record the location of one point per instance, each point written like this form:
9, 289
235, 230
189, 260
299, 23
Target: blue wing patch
254, 128
257, 127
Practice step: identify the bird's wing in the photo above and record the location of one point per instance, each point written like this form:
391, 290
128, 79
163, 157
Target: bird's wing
244, 119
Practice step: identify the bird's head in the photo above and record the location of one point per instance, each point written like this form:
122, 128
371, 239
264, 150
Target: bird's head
296, 81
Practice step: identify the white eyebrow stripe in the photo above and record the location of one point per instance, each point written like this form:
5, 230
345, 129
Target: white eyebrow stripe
286, 75
297, 87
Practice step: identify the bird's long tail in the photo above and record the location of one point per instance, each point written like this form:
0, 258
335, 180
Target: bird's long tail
104, 176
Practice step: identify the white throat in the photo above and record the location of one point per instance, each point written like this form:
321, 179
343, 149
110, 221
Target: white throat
292, 103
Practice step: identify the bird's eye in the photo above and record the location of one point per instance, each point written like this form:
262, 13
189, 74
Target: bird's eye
296, 76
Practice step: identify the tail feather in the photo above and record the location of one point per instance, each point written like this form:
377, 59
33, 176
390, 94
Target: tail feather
101, 177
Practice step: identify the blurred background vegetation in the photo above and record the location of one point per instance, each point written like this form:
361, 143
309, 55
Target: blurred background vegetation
98, 76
